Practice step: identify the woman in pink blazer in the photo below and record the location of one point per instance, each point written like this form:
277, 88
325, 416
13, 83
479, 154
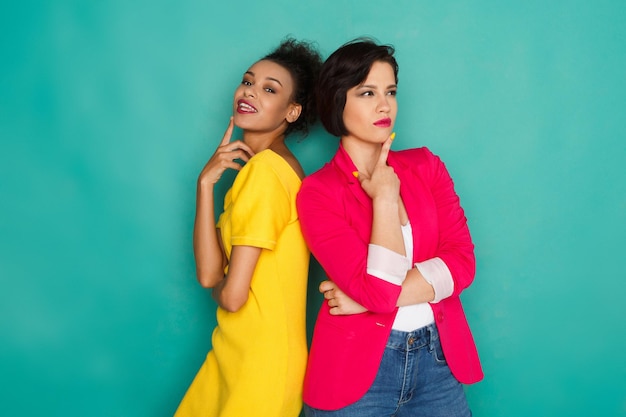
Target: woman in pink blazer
388, 229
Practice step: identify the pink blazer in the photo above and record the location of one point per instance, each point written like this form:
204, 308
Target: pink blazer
336, 219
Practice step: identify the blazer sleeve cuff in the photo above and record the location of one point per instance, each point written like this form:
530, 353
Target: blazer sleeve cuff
387, 264
437, 274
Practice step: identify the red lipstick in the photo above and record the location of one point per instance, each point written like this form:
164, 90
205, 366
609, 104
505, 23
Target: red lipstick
243, 107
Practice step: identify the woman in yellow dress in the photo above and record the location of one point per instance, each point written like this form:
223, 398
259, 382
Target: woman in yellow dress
255, 258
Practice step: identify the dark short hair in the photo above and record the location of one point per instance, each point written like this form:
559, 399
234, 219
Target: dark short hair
345, 68
303, 62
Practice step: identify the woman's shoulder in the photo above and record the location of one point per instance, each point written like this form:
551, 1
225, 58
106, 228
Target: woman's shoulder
265, 158
413, 158
412, 154
262, 172
327, 173
269, 163
323, 186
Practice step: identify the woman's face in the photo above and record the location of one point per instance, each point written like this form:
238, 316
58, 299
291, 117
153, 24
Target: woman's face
371, 107
263, 100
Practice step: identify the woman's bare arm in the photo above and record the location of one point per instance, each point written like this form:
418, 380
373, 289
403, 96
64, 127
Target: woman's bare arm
232, 292
208, 252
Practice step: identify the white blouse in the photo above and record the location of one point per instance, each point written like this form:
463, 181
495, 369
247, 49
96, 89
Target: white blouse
392, 267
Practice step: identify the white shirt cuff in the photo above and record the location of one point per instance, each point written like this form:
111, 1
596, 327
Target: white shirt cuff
437, 274
387, 265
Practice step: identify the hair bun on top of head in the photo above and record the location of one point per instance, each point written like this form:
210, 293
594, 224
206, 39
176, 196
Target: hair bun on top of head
303, 61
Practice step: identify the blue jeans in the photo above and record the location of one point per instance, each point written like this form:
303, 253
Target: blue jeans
413, 380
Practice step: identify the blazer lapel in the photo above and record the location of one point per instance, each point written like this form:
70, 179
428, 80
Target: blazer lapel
346, 167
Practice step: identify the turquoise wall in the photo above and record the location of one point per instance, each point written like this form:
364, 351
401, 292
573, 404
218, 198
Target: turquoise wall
108, 111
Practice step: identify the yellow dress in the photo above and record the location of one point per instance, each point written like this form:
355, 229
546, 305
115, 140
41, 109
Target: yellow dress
257, 364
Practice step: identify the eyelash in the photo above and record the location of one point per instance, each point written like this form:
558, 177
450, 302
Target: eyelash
371, 93
267, 89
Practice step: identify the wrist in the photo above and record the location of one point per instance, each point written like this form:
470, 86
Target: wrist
205, 183
385, 202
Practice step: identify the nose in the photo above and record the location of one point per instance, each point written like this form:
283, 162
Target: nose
383, 104
248, 91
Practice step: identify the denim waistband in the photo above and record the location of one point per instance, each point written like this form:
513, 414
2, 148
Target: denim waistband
412, 340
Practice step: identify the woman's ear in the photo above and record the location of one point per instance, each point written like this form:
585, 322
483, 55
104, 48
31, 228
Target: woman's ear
294, 112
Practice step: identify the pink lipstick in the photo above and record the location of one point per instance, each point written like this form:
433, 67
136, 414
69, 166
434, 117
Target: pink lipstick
386, 122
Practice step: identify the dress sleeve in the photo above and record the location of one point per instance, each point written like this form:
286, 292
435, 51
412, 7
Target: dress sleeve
260, 206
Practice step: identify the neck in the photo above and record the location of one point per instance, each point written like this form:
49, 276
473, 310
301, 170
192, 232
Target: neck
262, 141
364, 155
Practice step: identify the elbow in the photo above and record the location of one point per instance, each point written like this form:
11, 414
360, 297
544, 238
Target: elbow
204, 283
231, 308
232, 304
207, 280
462, 269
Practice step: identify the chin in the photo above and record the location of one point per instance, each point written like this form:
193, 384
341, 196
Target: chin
382, 138
241, 121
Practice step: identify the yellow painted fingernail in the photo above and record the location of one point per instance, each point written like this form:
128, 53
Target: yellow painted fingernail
393, 135
356, 174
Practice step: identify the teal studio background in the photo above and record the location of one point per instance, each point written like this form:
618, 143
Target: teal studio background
109, 110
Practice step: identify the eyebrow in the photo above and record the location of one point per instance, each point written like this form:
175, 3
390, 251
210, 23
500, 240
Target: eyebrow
373, 86
268, 78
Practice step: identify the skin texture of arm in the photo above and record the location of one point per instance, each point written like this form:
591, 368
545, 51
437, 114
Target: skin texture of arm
210, 259
232, 292
208, 251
